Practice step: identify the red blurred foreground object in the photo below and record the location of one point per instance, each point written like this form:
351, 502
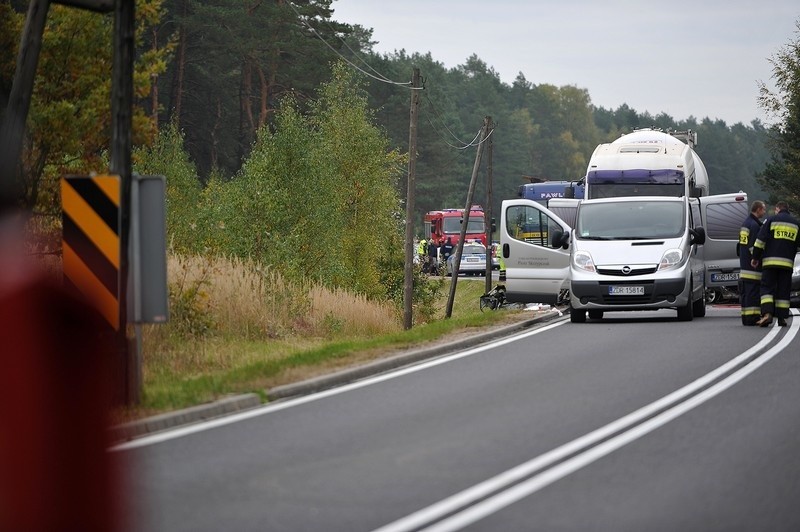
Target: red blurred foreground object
55, 472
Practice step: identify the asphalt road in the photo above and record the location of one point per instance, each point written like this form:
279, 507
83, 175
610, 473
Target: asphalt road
635, 422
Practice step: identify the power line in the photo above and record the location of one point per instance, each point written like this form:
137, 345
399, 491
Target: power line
382, 78
441, 119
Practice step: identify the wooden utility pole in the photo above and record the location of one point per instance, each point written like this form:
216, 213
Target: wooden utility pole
408, 279
465, 218
488, 211
127, 362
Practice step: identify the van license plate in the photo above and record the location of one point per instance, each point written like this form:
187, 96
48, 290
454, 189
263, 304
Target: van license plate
626, 290
723, 277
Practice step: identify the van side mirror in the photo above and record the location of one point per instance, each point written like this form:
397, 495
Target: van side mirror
697, 236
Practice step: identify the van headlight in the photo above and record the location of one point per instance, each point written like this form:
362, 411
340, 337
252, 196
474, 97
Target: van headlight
672, 258
583, 261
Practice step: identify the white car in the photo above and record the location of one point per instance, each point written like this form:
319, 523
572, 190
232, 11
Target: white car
473, 260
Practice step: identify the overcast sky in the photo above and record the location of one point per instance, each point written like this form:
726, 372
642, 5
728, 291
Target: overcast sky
698, 58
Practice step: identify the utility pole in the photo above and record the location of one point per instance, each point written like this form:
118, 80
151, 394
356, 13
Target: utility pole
408, 279
488, 211
465, 219
12, 131
127, 363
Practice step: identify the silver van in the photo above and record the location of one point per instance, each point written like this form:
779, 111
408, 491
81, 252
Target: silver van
627, 253
636, 253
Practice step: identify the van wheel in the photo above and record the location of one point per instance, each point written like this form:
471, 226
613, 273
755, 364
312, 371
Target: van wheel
712, 296
577, 315
699, 308
595, 314
685, 313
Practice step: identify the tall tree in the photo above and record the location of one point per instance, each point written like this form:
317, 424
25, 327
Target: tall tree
68, 128
782, 174
234, 61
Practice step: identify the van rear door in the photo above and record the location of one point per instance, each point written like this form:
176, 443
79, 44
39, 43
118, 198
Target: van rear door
535, 271
722, 216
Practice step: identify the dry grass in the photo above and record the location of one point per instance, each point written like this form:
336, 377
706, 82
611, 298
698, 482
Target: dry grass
231, 312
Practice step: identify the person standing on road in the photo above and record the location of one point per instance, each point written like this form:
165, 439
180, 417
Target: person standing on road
750, 276
433, 257
447, 250
775, 249
422, 252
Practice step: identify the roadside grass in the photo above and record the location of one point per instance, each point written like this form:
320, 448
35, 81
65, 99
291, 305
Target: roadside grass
236, 327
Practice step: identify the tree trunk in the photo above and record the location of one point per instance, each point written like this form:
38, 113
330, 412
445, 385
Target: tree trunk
262, 115
214, 139
180, 69
154, 87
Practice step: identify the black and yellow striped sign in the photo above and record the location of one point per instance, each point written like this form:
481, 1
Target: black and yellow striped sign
91, 244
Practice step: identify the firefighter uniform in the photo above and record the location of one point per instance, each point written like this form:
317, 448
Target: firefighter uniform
749, 276
776, 247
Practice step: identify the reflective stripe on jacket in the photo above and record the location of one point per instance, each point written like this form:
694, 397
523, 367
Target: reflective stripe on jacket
748, 234
776, 244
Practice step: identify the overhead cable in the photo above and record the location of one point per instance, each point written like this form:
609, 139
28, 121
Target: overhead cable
382, 78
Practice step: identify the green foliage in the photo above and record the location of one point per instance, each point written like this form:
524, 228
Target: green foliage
190, 315
167, 157
316, 197
782, 174
70, 115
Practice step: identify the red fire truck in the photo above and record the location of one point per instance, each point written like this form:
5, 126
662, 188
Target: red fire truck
446, 223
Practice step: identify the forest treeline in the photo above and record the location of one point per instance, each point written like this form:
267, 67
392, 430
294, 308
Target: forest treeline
232, 64
219, 71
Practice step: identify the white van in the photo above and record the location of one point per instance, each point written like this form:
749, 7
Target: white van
636, 253
626, 253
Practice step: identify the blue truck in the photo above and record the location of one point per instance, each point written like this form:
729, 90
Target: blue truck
543, 191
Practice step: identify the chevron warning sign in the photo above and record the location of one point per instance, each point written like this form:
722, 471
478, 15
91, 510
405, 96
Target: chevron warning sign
91, 244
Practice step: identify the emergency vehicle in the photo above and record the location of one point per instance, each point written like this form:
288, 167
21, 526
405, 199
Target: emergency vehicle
446, 223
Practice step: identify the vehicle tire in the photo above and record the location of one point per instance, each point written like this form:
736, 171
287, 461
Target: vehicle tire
686, 313
712, 296
699, 308
595, 314
577, 315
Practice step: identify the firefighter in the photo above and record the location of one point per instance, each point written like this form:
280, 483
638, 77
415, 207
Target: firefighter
750, 276
775, 249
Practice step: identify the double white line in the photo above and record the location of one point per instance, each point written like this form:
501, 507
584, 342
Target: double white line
490, 496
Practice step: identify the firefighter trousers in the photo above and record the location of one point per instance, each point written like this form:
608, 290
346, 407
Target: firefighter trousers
750, 299
776, 285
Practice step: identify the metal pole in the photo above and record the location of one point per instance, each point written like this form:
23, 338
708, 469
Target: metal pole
121, 125
408, 279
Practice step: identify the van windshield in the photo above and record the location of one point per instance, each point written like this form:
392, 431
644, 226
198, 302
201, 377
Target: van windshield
631, 220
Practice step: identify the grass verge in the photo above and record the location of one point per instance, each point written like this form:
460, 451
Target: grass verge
182, 368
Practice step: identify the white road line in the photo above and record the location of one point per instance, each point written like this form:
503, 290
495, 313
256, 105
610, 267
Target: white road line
269, 408
591, 441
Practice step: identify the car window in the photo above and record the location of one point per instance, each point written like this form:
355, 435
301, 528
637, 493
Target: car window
473, 249
528, 224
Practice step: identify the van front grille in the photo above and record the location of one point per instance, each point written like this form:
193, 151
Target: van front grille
617, 271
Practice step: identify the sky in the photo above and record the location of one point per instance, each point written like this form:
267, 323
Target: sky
700, 58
